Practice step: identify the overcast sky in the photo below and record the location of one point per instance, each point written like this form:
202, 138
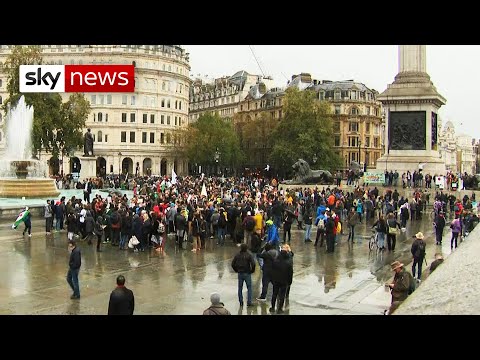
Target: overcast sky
452, 68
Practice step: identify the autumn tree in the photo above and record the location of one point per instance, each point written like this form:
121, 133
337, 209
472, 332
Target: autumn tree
306, 132
207, 136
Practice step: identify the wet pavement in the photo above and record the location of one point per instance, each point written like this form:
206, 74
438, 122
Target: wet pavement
349, 281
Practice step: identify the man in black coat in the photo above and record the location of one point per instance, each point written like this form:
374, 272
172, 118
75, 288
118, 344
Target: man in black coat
439, 226
122, 301
74, 268
282, 276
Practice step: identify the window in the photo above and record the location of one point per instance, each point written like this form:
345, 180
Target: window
132, 100
106, 117
94, 117
336, 126
367, 128
353, 95
367, 141
241, 107
337, 140
152, 119
109, 99
152, 138
101, 99
168, 119
99, 117
375, 142
144, 137
168, 103
180, 105
354, 111
321, 95
1, 83
337, 109
175, 121
106, 138
168, 139
353, 141
337, 95
176, 104
132, 117
353, 126
124, 99
179, 121
163, 83
162, 119
376, 129
124, 117
368, 110
132, 136
145, 118
123, 137
93, 99
99, 136
163, 102
162, 138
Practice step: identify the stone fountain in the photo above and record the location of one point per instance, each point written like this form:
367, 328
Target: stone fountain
20, 175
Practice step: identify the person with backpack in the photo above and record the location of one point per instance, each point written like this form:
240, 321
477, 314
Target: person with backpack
402, 285
249, 225
418, 252
381, 229
352, 220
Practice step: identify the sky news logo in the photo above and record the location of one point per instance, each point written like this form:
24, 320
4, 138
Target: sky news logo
77, 78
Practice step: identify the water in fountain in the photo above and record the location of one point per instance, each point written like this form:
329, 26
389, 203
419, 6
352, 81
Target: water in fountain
19, 126
21, 176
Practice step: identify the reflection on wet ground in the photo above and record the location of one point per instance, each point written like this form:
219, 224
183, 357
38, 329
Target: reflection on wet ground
349, 281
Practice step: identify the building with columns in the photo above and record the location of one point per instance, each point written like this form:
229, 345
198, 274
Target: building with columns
136, 132
447, 146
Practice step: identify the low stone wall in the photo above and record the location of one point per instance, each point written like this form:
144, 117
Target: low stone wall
11, 212
453, 288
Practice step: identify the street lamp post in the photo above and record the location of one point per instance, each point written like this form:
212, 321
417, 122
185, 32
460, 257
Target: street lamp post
119, 163
216, 158
359, 144
366, 159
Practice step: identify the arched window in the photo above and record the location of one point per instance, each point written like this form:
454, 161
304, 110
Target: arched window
99, 116
99, 136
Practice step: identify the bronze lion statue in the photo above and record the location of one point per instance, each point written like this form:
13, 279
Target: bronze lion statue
306, 176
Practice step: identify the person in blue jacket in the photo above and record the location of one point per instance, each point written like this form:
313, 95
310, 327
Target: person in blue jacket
272, 233
320, 222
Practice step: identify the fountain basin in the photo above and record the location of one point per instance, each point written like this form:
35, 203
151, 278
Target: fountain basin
29, 188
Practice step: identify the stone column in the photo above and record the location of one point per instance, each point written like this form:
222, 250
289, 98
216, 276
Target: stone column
412, 58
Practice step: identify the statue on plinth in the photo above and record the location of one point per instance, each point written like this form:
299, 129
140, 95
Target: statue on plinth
304, 175
88, 144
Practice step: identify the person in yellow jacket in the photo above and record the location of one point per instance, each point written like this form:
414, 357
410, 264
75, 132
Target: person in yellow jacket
258, 221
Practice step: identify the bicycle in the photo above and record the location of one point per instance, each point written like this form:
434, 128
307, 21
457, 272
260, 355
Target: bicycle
372, 243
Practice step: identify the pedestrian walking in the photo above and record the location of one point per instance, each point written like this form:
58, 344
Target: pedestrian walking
74, 265
418, 252
244, 264
122, 300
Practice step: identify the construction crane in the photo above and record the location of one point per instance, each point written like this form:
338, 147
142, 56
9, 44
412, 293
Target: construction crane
255, 57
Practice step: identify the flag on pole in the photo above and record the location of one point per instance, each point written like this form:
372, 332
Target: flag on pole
174, 177
204, 190
21, 217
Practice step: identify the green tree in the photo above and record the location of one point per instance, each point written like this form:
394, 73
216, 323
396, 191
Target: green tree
57, 127
256, 139
305, 130
206, 135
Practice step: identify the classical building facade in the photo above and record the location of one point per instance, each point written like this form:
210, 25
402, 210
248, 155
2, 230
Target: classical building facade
357, 120
447, 145
221, 96
136, 132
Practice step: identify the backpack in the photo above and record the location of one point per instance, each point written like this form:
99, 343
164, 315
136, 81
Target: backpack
161, 228
412, 284
321, 224
221, 221
420, 249
250, 224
